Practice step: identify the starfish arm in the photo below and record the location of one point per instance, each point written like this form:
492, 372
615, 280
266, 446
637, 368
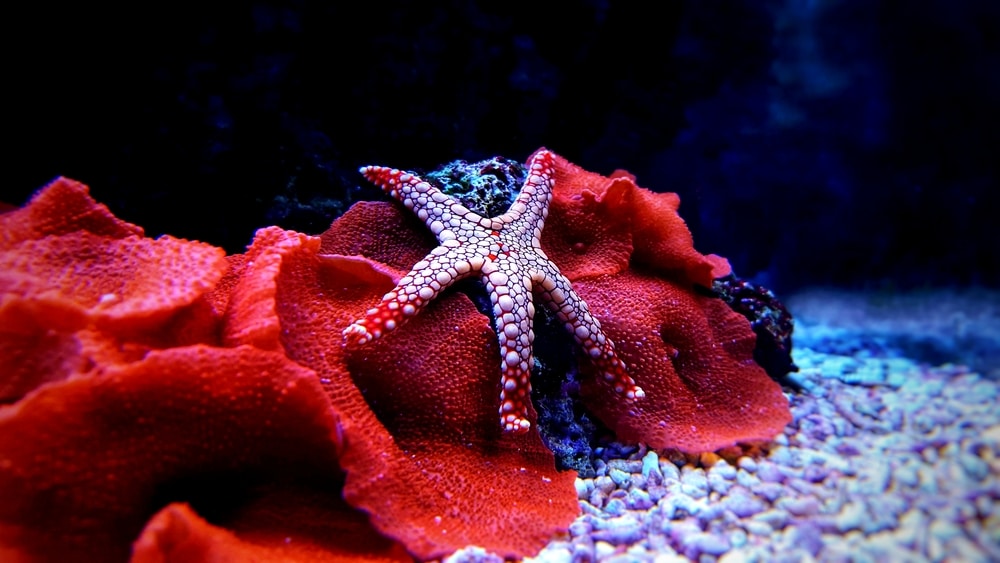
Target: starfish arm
558, 294
529, 210
444, 266
514, 311
442, 214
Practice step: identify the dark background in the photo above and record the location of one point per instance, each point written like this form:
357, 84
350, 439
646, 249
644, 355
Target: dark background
848, 143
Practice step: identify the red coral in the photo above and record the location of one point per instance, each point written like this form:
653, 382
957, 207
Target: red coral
424, 456
627, 222
631, 257
64, 206
85, 461
282, 526
418, 454
67, 264
158, 378
694, 358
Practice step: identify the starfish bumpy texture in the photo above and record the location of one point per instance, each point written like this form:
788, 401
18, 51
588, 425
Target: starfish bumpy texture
505, 252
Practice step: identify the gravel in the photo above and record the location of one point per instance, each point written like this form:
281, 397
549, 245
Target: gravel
886, 458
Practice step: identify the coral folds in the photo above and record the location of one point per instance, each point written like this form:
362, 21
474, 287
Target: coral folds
165, 402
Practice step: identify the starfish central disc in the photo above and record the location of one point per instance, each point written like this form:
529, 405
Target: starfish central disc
505, 253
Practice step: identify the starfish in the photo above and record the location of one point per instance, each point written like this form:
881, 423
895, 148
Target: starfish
505, 252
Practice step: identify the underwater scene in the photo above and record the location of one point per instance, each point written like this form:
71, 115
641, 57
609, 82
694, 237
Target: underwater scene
475, 282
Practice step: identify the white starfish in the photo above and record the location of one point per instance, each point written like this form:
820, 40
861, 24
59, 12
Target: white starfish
505, 252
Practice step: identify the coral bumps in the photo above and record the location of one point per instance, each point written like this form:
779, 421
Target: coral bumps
167, 402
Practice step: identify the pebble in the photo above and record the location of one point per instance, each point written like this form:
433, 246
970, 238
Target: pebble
746, 479
851, 516
639, 499
864, 473
651, 468
747, 464
873, 478
694, 483
603, 549
620, 531
744, 505
620, 478
615, 507
758, 528
718, 483
769, 491
800, 506
774, 518
604, 484
669, 470
806, 536
699, 543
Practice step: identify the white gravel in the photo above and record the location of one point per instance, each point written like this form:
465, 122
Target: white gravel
886, 459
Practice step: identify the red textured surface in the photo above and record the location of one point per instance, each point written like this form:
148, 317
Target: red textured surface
64, 206
380, 230
631, 257
70, 281
658, 239
67, 264
693, 356
82, 462
284, 526
423, 455
126, 399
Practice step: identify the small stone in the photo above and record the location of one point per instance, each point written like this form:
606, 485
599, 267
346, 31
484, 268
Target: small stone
473, 554
886, 516
669, 470
694, 483
637, 481
807, 536
708, 459
603, 549
905, 476
928, 480
619, 477
638, 499
815, 473
769, 472
873, 479
774, 518
585, 552
656, 492
769, 491
974, 466
718, 483
799, 506
746, 479
626, 465
944, 530
615, 507
677, 506
747, 463
851, 516
651, 468
912, 527
604, 484
584, 487
723, 469
737, 538
743, 505
580, 528
620, 531
597, 498
699, 543
757, 528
